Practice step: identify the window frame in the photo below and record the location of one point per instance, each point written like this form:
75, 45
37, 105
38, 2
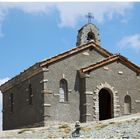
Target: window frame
127, 102
30, 98
11, 102
91, 36
63, 85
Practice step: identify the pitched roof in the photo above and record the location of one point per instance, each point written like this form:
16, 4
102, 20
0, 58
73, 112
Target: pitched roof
111, 59
73, 51
54, 59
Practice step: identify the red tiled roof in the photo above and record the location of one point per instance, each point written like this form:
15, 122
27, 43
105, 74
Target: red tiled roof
111, 59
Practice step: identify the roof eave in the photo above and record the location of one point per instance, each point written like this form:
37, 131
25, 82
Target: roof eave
110, 60
74, 51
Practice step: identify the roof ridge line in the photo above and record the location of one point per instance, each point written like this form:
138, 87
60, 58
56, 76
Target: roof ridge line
64, 52
74, 50
115, 56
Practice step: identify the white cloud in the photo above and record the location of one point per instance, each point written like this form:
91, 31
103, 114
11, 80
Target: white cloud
70, 13
131, 41
34, 8
30, 8
1, 82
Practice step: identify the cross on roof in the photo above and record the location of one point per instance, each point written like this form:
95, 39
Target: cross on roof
89, 16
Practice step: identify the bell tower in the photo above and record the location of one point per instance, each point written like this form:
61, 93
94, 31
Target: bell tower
87, 33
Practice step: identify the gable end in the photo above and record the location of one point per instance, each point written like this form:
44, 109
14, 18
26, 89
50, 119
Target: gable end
111, 59
75, 51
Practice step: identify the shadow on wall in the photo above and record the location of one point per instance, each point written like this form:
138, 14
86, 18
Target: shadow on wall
80, 87
77, 82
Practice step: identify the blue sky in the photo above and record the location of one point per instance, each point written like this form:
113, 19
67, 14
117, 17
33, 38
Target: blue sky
30, 32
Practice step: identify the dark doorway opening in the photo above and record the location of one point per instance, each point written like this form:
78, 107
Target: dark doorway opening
105, 105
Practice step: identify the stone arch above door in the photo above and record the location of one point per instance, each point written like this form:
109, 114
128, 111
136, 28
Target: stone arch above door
116, 111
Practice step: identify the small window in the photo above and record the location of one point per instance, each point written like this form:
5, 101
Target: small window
127, 104
63, 91
11, 102
30, 95
90, 36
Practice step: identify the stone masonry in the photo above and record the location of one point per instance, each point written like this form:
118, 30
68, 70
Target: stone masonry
88, 77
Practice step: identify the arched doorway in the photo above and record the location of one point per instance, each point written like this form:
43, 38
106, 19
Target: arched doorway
105, 104
127, 104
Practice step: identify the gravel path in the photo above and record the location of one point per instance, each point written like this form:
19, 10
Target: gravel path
121, 127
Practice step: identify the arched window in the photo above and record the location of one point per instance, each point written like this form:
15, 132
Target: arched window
127, 104
11, 102
30, 95
90, 36
63, 90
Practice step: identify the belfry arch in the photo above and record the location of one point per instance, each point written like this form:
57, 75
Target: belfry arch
112, 109
91, 36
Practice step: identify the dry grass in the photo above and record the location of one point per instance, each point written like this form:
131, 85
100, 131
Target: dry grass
112, 122
65, 128
24, 130
85, 129
100, 126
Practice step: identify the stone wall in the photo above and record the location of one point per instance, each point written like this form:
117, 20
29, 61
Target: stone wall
68, 69
23, 113
83, 34
120, 80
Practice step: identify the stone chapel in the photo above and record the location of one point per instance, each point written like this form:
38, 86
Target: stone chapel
86, 83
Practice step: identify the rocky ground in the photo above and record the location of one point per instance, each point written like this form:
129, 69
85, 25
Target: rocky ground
118, 128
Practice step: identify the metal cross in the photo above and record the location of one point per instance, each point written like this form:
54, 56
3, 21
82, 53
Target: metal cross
89, 16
